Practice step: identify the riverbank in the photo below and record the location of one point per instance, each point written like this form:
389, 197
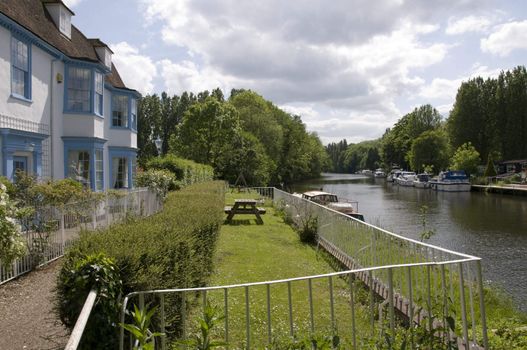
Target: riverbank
518, 190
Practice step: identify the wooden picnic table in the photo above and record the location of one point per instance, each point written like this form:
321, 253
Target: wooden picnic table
244, 206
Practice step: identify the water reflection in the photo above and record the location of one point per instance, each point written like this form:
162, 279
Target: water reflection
491, 226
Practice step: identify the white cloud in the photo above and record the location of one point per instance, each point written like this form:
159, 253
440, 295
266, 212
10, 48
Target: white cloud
327, 62
506, 38
136, 70
71, 3
475, 24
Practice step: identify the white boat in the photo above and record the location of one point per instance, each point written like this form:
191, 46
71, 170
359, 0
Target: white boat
451, 181
330, 200
394, 174
379, 173
406, 179
422, 181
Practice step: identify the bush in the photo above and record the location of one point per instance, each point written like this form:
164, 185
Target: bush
159, 181
79, 274
172, 249
186, 171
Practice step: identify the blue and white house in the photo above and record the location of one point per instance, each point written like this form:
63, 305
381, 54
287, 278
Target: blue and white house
64, 109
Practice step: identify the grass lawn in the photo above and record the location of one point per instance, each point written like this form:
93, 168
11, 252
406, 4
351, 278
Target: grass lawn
248, 252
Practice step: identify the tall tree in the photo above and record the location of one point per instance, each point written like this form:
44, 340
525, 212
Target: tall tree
429, 149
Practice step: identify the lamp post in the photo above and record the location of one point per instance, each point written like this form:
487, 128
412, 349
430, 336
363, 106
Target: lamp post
159, 144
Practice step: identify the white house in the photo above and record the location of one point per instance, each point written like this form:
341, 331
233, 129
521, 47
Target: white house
64, 110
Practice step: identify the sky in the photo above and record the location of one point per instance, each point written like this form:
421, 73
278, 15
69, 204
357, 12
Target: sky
349, 68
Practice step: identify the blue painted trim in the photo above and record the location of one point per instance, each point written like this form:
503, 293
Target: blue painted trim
21, 141
88, 144
29, 78
92, 90
130, 96
21, 98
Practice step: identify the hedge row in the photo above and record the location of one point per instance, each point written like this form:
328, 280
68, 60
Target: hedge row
172, 249
187, 171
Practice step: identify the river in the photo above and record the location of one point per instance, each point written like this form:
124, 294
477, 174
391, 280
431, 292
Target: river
491, 226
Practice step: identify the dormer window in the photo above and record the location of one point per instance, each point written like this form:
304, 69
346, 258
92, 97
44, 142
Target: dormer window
61, 15
104, 53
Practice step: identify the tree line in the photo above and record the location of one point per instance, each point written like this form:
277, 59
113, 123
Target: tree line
244, 134
488, 122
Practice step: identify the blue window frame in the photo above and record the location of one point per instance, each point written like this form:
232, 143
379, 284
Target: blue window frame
120, 111
79, 88
99, 90
83, 161
84, 90
20, 68
133, 113
21, 149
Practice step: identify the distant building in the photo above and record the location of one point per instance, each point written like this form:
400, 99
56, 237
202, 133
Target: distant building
64, 110
512, 166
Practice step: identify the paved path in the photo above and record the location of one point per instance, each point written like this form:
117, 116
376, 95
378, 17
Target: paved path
27, 319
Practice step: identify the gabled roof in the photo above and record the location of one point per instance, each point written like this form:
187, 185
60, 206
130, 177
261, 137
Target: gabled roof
33, 16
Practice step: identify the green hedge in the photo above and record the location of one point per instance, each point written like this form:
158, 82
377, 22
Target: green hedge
172, 249
187, 171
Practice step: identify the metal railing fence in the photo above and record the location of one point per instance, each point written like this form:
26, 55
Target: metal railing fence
64, 225
389, 281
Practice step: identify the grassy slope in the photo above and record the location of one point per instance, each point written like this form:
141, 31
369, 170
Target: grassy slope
248, 252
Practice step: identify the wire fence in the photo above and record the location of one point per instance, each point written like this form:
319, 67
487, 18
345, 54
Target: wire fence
390, 286
52, 229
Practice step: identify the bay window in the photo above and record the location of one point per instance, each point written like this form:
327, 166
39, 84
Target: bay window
84, 161
122, 167
99, 88
79, 89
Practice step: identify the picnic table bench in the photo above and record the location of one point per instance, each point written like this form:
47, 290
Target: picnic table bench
244, 206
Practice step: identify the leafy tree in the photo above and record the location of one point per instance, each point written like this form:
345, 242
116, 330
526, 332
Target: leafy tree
363, 155
336, 153
429, 149
466, 158
206, 129
148, 127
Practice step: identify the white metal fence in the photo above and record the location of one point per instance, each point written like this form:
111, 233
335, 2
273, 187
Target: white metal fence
64, 225
389, 280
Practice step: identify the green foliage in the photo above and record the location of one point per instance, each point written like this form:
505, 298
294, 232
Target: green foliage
491, 114
430, 148
490, 170
79, 274
144, 339
466, 158
315, 342
172, 248
336, 152
159, 181
363, 155
397, 142
12, 245
202, 340
425, 233
186, 171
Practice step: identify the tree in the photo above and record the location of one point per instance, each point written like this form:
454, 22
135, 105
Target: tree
429, 149
466, 158
207, 128
490, 170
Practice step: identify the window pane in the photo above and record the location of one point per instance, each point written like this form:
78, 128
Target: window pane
20, 78
79, 166
120, 110
99, 174
79, 89
120, 172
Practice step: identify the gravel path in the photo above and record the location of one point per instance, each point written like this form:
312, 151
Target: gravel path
27, 320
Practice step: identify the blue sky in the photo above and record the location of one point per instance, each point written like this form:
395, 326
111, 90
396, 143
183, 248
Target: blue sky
350, 68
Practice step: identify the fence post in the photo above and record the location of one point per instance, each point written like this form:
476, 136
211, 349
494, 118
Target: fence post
482, 305
107, 209
94, 216
62, 230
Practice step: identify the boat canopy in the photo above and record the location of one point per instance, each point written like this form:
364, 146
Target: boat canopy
454, 175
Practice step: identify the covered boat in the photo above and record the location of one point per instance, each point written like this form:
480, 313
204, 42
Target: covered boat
330, 200
451, 181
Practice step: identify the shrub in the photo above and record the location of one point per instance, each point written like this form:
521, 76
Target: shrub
159, 181
172, 249
79, 274
187, 171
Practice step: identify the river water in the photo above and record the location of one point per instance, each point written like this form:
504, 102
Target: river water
491, 226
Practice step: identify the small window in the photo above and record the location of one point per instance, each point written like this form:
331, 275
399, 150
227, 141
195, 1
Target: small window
79, 89
98, 94
99, 174
120, 111
133, 114
20, 72
120, 172
79, 166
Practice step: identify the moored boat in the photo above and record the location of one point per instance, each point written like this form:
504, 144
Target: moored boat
330, 200
379, 173
451, 181
422, 181
406, 179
